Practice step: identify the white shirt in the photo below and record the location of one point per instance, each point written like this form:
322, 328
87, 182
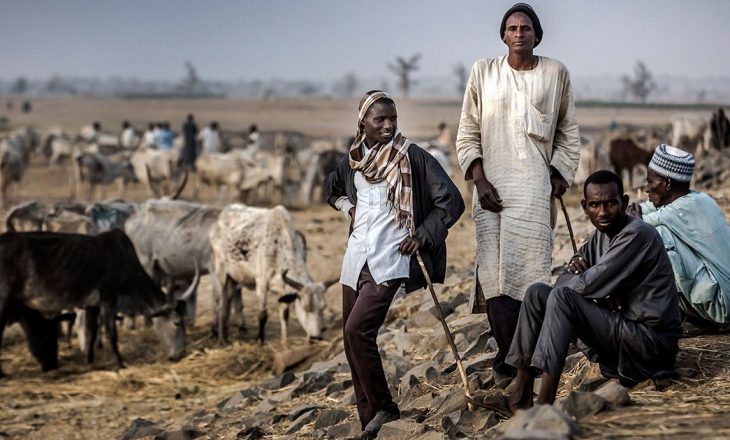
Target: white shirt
148, 138
129, 138
253, 141
211, 140
375, 236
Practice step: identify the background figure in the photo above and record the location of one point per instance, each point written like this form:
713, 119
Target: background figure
518, 140
164, 138
210, 139
129, 138
148, 137
444, 140
719, 130
253, 142
190, 137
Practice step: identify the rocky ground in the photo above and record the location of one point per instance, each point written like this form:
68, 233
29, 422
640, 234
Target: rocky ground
231, 392
318, 402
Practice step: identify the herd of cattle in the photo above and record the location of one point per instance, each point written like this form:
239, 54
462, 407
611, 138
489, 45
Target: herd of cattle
121, 256
626, 147
288, 173
94, 263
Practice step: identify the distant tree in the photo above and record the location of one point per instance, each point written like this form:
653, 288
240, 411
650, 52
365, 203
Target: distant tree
56, 84
308, 89
191, 82
347, 85
701, 95
20, 85
462, 75
403, 68
641, 85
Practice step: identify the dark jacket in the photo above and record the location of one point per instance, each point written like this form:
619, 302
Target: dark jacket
437, 205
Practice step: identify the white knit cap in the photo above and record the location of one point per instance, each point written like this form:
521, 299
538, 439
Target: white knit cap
672, 162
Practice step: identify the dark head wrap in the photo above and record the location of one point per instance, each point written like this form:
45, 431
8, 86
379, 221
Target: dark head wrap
527, 10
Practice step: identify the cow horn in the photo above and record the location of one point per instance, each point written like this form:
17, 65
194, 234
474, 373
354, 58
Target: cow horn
194, 285
181, 187
148, 173
302, 237
295, 284
162, 311
331, 282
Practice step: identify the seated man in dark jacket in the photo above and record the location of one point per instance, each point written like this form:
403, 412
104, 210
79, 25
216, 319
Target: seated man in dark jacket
400, 202
618, 297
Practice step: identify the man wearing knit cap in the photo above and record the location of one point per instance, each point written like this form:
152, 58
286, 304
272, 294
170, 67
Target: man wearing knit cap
695, 233
399, 201
518, 140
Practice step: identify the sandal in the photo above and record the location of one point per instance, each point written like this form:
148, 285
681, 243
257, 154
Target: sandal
494, 402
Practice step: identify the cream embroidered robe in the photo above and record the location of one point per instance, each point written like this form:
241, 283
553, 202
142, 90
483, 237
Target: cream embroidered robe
519, 123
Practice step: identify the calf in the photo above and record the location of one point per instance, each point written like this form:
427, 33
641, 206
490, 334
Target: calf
51, 272
625, 155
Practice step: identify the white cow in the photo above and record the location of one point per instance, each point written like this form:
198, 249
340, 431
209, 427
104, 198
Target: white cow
57, 147
156, 169
258, 248
246, 173
593, 157
690, 132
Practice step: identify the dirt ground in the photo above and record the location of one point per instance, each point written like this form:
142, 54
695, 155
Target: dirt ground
88, 402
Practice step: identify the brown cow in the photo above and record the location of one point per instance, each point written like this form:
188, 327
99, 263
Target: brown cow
625, 155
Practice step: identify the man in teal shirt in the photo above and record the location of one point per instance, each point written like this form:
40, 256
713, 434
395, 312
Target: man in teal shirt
695, 232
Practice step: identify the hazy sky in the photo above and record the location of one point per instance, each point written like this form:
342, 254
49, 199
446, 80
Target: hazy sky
324, 39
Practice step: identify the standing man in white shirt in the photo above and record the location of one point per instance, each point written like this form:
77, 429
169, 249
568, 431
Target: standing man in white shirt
210, 139
253, 143
129, 139
400, 201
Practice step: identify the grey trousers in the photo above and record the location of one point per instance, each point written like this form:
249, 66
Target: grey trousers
551, 318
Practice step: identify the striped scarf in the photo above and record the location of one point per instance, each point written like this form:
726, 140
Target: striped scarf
387, 162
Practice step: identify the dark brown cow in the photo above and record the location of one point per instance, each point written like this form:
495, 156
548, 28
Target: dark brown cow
625, 155
50, 272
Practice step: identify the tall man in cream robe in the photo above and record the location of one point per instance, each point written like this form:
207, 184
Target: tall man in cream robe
518, 140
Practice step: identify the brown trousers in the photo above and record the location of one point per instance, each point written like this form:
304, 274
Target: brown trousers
363, 312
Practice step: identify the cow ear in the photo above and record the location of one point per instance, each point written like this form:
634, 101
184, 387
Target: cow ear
288, 298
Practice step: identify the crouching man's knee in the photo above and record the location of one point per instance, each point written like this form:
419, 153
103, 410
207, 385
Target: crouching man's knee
537, 295
562, 296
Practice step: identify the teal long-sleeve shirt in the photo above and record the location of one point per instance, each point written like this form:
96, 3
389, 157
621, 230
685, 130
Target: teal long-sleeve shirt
696, 235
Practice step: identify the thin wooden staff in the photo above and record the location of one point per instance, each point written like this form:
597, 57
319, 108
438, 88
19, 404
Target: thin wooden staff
570, 228
449, 336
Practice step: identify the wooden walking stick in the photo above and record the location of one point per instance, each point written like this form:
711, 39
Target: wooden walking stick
570, 228
449, 336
